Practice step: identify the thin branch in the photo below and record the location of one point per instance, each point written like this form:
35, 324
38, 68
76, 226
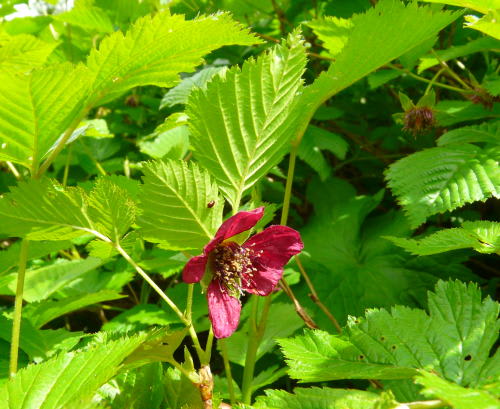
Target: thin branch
298, 307
314, 296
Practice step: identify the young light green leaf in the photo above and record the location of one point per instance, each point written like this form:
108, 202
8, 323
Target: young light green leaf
455, 395
441, 179
488, 132
174, 201
111, 209
172, 144
482, 236
36, 108
69, 378
241, 124
42, 312
156, 49
61, 214
387, 345
322, 398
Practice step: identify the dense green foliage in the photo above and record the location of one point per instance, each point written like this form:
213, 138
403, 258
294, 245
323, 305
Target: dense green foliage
130, 129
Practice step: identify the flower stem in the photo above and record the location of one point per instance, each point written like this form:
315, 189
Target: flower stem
208, 346
288, 186
419, 78
227, 368
166, 298
18, 306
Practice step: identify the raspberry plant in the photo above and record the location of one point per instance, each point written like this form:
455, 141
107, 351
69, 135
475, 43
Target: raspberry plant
145, 148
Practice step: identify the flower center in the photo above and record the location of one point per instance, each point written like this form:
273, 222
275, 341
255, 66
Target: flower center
230, 260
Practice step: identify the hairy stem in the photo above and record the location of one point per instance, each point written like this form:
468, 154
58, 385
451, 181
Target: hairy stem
18, 307
253, 344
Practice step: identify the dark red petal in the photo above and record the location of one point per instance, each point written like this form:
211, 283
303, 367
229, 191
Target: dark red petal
194, 269
270, 251
240, 222
223, 310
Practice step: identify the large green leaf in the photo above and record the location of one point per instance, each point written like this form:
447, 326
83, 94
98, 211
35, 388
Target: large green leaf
383, 33
241, 124
441, 179
482, 236
347, 258
156, 49
482, 6
321, 398
36, 108
174, 205
387, 345
455, 395
69, 378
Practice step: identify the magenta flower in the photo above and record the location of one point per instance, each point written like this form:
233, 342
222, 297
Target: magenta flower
255, 266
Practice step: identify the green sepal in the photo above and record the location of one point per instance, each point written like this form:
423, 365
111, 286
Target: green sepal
428, 99
406, 102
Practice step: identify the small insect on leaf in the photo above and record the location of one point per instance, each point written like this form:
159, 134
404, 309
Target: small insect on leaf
211, 204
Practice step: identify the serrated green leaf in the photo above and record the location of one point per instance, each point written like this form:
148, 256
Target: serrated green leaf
488, 132
111, 209
156, 49
47, 385
61, 214
480, 5
383, 33
23, 52
139, 388
36, 108
321, 398
482, 236
441, 179
455, 395
241, 123
174, 207
333, 32
180, 391
387, 345
488, 24
40, 313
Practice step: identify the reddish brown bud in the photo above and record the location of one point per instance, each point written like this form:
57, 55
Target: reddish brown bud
419, 119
